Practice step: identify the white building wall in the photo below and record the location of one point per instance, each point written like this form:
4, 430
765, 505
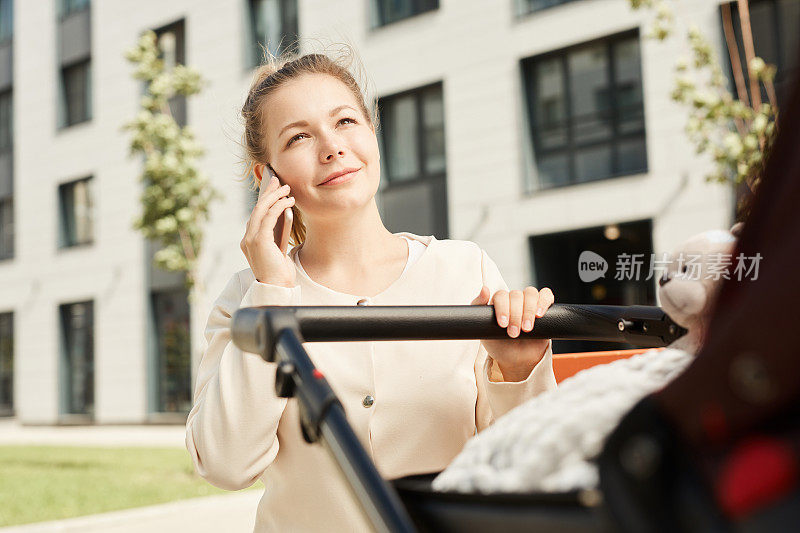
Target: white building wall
473, 46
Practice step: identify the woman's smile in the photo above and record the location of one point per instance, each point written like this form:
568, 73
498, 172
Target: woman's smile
340, 177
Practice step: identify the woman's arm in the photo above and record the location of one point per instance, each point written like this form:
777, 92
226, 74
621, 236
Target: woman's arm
231, 431
496, 395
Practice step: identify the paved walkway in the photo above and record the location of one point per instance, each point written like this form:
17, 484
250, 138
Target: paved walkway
11, 433
228, 513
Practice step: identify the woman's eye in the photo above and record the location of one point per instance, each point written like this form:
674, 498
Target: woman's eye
295, 138
352, 120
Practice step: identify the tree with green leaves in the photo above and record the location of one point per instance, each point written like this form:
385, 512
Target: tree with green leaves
176, 196
735, 130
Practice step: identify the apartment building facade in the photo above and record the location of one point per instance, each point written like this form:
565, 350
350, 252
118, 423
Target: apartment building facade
537, 128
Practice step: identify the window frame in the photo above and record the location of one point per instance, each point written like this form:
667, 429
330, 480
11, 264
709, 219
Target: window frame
433, 179
524, 9
8, 410
62, 233
65, 384
8, 202
784, 76
64, 119
418, 8
254, 50
530, 94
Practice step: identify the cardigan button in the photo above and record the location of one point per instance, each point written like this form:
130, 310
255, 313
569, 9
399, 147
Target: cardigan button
363, 301
368, 401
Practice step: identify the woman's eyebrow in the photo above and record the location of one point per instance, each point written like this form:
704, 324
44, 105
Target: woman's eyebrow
301, 123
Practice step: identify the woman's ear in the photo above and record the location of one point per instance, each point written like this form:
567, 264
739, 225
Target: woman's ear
258, 171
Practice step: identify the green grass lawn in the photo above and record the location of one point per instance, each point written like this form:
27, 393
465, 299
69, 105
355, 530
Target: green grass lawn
48, 482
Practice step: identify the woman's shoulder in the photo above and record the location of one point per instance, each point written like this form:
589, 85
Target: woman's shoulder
446, 247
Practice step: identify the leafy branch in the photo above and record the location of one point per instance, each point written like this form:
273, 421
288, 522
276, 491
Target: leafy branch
176, 196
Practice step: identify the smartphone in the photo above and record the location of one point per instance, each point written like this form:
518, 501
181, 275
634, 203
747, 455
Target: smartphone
283, 226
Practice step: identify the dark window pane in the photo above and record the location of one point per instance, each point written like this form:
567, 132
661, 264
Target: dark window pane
77, 323
535, 5
433, 135
6, 121
416, 207
6, 364
172, 48
593, 163
401, 132
6, 228
76, 212
6, 20
553, 169
774, 25
628, 83
71, 6
589, 94
394, 10
174, 379
551, 113
789, 20
632, 156
75, 80
413, 191
274, 26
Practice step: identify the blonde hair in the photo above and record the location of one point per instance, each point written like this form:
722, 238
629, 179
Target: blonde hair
272, 74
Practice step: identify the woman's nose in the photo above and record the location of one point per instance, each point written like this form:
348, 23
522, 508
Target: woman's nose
331, 149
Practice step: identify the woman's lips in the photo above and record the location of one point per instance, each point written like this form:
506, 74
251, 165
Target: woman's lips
340, 179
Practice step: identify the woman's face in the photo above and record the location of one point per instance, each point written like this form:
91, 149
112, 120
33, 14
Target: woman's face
315, 129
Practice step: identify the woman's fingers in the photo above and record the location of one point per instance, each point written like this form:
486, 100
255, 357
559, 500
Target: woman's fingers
271, 216
529, 308
500, 302
266, 200
483, 296
516, 300
546, 299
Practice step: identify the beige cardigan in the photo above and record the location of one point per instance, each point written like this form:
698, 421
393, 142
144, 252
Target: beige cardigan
429, 396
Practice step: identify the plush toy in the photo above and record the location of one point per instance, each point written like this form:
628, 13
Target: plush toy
690, 284
547, 444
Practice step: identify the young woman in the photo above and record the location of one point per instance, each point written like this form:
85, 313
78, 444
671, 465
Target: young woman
412, 404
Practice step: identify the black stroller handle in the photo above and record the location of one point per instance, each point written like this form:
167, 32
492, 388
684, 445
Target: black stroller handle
640, 325
276, 333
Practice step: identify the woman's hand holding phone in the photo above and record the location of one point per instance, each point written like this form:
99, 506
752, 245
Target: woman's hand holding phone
263, 249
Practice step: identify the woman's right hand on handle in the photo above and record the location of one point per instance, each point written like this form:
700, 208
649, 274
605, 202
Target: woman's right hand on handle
268, 263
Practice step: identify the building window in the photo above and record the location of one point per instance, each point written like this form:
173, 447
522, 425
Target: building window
76, 214
274, 27
172, 47
413, 195
6, 228
77, 390
67, 7
76, 92
388, 11
6, 20
776, 39
586, 111
555, 263
6, 364
529, 6
173, 358
6, 121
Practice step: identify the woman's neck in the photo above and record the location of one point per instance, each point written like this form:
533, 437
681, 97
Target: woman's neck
353, 241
